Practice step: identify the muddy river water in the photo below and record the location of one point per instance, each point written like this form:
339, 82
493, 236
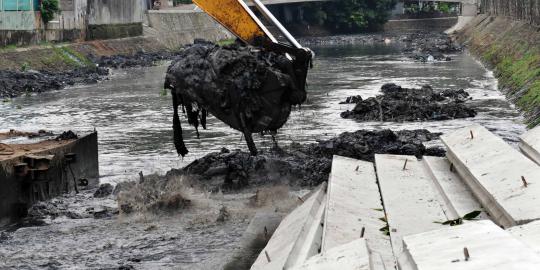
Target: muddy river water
134, 121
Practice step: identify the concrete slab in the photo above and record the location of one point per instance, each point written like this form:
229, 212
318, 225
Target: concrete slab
291, 230
503, 180
353, 203
530, 144
528, 234
309, 242
352, 256
410, 199
489, 247
458, 198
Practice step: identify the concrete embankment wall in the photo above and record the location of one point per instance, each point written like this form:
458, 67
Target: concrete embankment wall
512, 48
17, 193
176, 28
114, 19
69, 56
429, 24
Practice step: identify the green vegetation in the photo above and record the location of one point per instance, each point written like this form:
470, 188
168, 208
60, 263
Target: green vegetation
48, 9
349, 15
224, 42
179, 2
518, 70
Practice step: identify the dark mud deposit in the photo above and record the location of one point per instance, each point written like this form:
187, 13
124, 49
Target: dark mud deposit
303, 165
398, 104
139, 59
247, 88
17, 83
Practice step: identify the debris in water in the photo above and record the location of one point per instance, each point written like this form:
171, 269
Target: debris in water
67, 135
399, 104
103, 191
247, 88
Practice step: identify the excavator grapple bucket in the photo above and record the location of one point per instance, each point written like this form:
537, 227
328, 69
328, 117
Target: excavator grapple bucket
236, 16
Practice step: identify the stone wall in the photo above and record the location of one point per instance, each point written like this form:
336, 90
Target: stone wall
526, 10
176, 28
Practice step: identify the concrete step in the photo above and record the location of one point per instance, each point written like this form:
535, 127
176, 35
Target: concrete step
488, 247
530, 144
501, 178
410, 199
309, 242
458, 198
529, 234
352, 256
354, 205
292, 233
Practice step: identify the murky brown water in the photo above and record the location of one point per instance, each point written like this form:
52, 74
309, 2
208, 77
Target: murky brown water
134, 123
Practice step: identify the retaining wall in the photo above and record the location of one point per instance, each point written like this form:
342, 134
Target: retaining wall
176, 28
17, 193
512, 48
114, 19
431, 24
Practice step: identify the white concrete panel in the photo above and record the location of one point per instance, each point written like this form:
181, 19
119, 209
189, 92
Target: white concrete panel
278, 249
529, 234
530, 144
411, 202
457, 196
489, 247
495, 171
354, 202
351, 256
309, 242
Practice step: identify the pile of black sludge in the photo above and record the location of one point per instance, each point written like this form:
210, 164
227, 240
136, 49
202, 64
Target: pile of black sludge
303, 165
398, 104
248, 88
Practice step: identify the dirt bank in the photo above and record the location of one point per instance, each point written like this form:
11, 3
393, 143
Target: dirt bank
48, 67
397, 104
512, 48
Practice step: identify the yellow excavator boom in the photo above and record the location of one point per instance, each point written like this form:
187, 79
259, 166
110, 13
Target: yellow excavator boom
236, 16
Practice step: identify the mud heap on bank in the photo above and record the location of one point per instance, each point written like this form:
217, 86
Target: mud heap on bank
247, 88
398, 104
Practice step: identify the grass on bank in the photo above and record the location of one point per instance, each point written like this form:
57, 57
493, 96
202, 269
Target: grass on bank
518, 69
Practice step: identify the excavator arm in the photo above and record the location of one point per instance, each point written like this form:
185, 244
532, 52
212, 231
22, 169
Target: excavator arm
239, 19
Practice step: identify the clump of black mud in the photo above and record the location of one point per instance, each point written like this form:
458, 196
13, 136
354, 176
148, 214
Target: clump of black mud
139, 59
16, 83
398, 104
429, 46
247, 88
303, 165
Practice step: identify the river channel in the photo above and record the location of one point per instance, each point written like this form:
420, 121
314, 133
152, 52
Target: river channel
134, 121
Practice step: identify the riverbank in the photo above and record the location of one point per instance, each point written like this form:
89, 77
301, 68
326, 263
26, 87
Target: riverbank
512, 49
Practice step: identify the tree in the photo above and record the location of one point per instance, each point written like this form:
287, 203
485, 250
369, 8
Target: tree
351, 15
48, 9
